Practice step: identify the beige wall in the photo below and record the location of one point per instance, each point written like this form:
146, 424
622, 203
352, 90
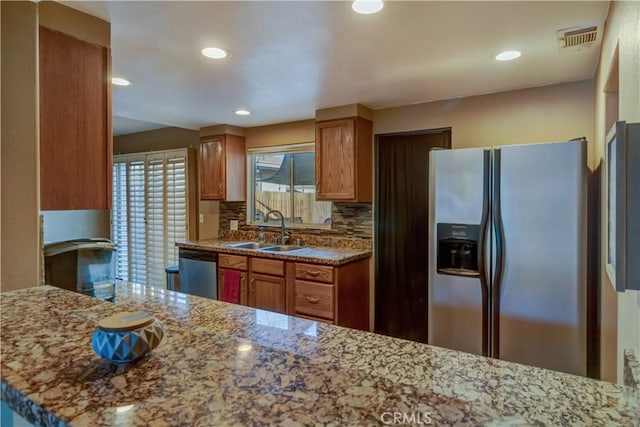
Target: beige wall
155, 140
350, 110
543, 114
20, 198
281, 134
74, 23
619, 311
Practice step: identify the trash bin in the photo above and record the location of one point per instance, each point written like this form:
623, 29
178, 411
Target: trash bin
173, 278
86, 266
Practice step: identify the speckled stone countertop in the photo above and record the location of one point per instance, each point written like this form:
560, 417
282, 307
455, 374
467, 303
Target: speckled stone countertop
311, 254
224, 364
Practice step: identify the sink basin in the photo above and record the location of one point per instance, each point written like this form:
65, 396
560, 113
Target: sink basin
283, 248
253, 245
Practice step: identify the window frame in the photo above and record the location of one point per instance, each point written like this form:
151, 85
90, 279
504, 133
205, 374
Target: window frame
304, 147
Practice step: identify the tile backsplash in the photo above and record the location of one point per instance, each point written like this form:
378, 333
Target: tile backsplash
352, 226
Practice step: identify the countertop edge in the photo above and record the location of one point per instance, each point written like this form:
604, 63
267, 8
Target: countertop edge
220, 248
26, 407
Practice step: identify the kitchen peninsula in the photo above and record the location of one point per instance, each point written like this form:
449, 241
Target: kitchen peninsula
224, 364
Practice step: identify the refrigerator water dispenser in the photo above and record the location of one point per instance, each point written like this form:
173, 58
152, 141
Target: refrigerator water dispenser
458, 249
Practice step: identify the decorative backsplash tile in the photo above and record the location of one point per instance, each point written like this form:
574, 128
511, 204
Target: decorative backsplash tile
352, 226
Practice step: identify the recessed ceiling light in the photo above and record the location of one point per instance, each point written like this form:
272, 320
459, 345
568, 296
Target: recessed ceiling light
119, 81
242, 112
508, 55
215, 52
367, 7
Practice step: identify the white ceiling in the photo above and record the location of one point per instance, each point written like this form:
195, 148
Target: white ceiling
125, 125
293, 57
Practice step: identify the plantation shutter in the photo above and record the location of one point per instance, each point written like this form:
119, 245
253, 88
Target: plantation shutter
150, 211
119, 214
155, 221
137, 227
176, 205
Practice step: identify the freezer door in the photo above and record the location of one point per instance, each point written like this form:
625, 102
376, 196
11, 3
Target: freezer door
541, 319
456, 302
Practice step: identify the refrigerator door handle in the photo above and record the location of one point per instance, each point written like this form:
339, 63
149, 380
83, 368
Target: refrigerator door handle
482, 252
500, 258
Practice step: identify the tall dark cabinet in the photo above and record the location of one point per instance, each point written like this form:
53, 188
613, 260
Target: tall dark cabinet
401, 229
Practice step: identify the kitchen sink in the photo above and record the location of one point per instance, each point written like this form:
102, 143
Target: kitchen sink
253, 245
282, 248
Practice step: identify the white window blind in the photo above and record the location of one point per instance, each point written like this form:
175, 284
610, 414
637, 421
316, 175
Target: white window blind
150, 213
155, 208
119, 210
176, 206
136, 224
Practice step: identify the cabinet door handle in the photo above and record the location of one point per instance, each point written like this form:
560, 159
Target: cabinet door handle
313, 273
312, 300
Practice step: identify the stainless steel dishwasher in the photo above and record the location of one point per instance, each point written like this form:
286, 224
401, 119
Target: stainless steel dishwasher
198, 273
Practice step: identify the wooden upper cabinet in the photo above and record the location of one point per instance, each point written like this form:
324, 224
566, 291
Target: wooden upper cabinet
212, 169
223, 168
343, 160
75, 123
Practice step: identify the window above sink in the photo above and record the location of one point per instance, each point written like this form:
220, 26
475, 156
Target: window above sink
283, 178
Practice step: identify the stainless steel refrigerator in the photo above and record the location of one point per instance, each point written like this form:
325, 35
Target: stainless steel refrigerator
507, 256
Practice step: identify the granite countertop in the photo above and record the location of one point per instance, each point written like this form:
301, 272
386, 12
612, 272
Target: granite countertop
224, 364
311, 254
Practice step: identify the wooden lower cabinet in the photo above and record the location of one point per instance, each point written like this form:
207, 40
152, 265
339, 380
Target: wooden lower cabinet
268, 292
330, 294
239, 263
338, 295
244, 289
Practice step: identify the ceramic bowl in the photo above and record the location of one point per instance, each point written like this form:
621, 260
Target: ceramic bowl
127, 336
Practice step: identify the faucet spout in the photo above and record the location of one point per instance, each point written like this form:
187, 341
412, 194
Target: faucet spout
284, 234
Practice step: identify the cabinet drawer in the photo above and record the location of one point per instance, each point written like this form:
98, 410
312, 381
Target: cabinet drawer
317, 273
314, 299
237, 262
272, 267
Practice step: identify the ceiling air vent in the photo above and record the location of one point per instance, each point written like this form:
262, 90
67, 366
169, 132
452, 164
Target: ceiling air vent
577, 38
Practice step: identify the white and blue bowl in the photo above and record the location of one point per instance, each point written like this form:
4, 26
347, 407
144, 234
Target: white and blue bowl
126, 337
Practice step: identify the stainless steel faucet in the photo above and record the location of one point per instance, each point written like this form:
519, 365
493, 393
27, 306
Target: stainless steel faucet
285, 234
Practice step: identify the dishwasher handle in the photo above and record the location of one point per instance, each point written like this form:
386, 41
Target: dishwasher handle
199, 255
